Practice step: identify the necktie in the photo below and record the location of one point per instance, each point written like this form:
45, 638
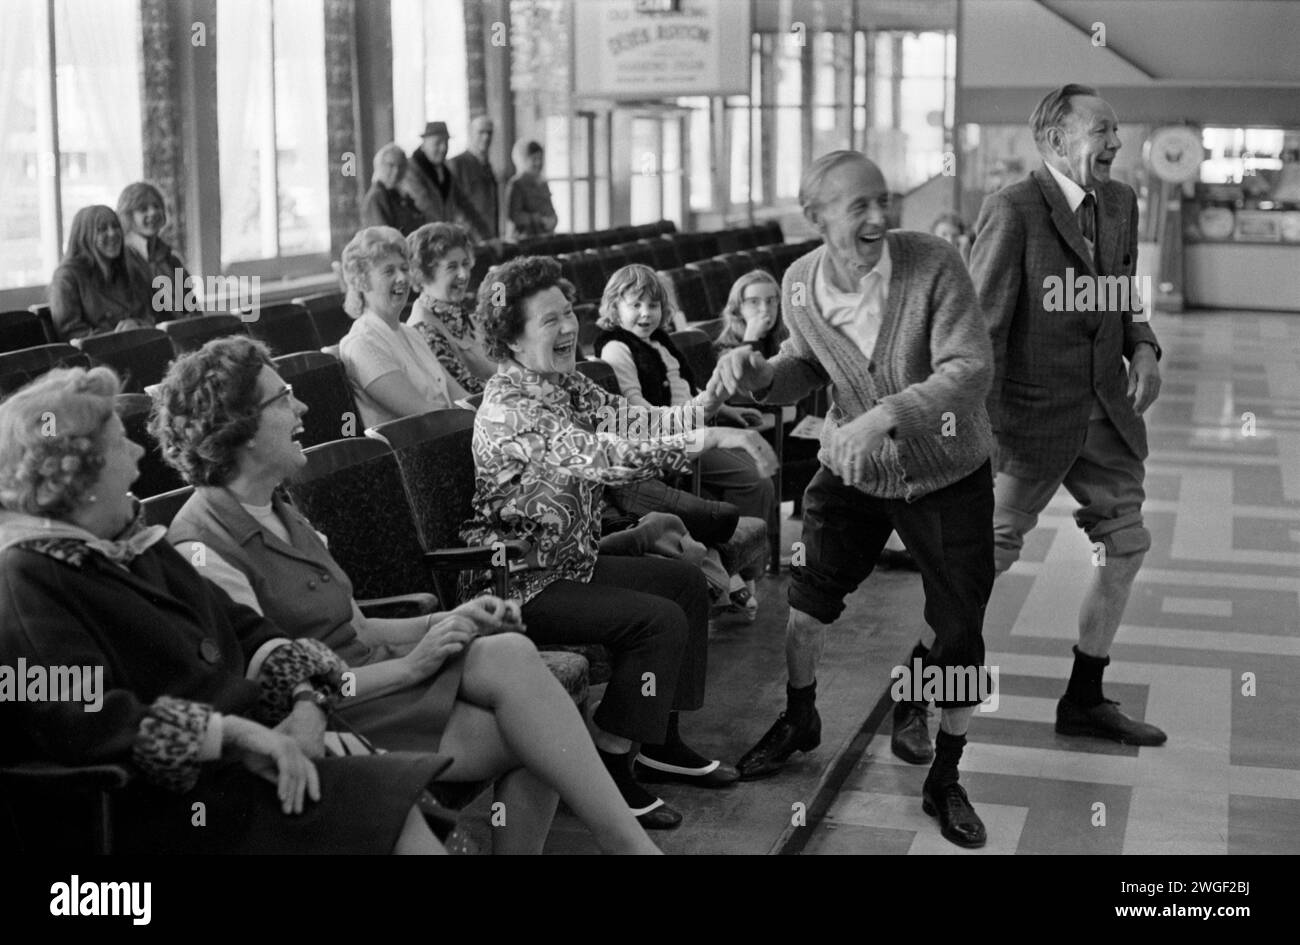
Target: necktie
1087, 214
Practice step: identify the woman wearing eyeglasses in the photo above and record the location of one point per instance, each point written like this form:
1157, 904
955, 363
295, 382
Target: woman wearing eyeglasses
458, 682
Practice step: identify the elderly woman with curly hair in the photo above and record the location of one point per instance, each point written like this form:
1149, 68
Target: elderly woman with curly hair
98, 288
460, 683
546, 443
392, 371
201, 698
443, 313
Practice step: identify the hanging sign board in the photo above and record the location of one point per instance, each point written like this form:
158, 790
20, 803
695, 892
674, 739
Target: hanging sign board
648, 49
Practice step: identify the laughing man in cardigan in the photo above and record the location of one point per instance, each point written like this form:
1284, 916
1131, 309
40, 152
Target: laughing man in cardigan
890, 321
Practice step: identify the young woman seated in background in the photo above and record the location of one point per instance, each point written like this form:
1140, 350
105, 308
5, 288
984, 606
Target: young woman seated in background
143, 215
392, 370
98, 288
442, 259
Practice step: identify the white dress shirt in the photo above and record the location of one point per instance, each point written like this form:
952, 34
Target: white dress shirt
858, 315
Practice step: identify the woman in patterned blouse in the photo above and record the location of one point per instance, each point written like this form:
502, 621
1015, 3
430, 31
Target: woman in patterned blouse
546, 443
441, 260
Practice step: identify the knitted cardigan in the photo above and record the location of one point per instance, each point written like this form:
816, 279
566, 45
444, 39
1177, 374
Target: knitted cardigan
932, 366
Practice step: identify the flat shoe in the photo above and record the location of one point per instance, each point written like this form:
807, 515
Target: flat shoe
658, 816
713, 775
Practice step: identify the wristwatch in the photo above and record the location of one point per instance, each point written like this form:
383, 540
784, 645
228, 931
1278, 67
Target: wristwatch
315, 697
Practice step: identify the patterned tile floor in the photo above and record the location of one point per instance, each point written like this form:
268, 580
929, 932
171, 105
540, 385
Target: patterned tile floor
1209, 648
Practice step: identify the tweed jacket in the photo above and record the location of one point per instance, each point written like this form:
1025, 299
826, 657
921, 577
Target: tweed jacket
1050, 366
931, 367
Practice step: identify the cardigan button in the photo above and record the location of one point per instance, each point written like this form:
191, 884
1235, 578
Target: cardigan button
325, 578
311, 585
209, 651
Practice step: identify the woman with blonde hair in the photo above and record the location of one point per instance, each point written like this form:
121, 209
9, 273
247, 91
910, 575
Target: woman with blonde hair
98, 288
392, 370
752, 315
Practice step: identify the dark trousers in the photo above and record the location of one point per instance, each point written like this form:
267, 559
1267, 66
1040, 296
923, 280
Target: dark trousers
949, 534
653, 616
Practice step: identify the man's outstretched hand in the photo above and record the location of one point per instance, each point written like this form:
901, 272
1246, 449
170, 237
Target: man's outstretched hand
741, 369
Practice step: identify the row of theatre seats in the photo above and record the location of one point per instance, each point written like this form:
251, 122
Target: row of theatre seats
302, 334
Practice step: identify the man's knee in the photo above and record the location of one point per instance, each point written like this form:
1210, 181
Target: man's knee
1121, 549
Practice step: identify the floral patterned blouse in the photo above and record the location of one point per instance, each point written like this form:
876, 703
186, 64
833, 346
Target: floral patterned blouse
456, 318
543, 453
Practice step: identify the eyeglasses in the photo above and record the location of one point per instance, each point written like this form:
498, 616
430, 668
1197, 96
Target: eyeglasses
286, 391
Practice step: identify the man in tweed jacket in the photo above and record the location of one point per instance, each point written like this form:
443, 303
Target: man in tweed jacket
890, 321
1063, 406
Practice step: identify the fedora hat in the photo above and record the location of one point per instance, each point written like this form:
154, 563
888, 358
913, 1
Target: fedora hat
435, 128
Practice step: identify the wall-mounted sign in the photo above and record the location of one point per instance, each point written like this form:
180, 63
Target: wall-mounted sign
626, 49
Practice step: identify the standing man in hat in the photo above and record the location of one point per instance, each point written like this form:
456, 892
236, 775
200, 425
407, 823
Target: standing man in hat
1065, 406
431, 185
473, 172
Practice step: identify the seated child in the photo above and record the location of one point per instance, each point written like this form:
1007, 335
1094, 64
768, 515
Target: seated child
634, 311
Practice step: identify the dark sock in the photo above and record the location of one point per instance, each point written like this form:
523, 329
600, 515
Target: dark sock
947, 752
620, 770
800, 703
1085, 680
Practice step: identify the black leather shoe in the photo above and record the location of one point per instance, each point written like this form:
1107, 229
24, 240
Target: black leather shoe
911, 736
958, 821
1105, 721
781, 741
658, 816
715, 774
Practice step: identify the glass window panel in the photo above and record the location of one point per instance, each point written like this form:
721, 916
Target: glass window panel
830, 131
408, 72
29, 243
446, 82
246, 129
301, 148
700, 141
823, 53
96, 45
738, 122
580, 165
757, 47
581, 207
789, 151
672, 199
556, 142
561, 197
860, 75
789, 71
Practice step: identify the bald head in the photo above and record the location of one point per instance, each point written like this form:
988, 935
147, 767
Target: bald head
845, 197
813, 188
481, 130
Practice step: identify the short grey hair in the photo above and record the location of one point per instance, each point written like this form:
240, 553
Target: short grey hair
1052, 111
810, 185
